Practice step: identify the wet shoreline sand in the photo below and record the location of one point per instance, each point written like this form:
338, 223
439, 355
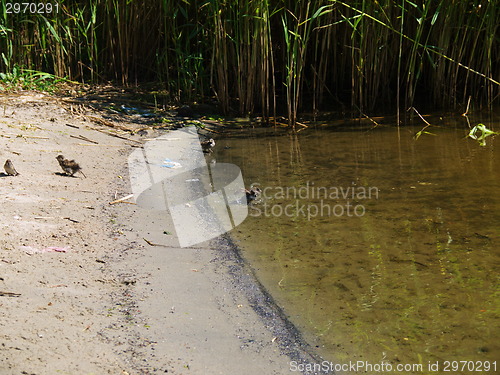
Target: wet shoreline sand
202, 306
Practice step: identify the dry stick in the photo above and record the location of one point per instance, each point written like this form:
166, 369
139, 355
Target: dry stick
372, 120
32, 136
115, 135
465, 114
70, 219
467, 109
9, 294
109, 124
72, 126
210, 130
151, 243
369, 118
121, 200
212, 122
58, 286
173, 247
87, 139
52, 217
424, 120
27, 136
84, 138
86, 144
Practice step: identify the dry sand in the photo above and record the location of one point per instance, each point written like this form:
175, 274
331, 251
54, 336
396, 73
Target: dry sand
81, 292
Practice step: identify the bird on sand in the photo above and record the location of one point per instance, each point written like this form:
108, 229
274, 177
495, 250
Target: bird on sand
9, 168
207, 145
70, 167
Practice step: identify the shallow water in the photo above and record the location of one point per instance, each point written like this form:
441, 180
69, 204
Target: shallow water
379, 247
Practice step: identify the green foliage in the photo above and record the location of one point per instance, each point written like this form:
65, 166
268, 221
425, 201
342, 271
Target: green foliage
298, 25
27, 79
480, 132
269, 55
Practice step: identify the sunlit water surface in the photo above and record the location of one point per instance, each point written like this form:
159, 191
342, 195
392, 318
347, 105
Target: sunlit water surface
379, 247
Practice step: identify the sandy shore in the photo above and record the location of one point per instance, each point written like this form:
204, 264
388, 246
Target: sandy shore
81, 292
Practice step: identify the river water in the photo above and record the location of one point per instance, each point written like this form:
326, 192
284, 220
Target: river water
379, 247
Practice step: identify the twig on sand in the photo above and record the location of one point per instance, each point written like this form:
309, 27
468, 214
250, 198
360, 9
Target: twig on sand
91, 144
121, 200
110, 124
151, 243
52, 217
175, 247
84, 138
9, 294
115, 135
70, 219
25, 136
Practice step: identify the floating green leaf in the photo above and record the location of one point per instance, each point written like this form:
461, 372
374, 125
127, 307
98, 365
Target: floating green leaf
480, 132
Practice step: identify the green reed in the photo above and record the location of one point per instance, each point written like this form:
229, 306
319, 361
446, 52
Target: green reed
271, 56
298, 23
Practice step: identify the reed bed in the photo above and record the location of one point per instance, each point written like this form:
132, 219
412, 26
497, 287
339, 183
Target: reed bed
271, 57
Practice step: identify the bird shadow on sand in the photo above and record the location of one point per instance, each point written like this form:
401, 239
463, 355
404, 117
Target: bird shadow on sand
64, 174
2, 174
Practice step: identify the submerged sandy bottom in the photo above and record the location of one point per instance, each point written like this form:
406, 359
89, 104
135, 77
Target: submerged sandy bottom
408, 278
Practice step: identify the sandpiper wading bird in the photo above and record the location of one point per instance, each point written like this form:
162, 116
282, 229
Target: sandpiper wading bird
70, 167
9, 168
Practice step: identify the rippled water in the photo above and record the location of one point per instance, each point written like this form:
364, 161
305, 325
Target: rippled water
378, 246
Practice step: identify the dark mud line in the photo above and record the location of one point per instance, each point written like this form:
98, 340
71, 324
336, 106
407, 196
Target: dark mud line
289, 338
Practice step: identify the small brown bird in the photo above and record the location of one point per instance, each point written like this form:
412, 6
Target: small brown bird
207, 145
70, 167
9, 168
252, 194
